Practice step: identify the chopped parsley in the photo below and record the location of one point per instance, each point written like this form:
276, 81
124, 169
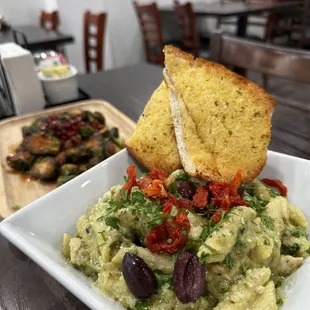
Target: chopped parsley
308, 251
254, 202
223, 290
266, 241
157, 219
162, 278
279, 283
143, 304
239, 242
173, 188
228, 261
267, 221
204, 256
290, 249
280, 302
207, 230
112, 221
212, 250
243, 269
298, 232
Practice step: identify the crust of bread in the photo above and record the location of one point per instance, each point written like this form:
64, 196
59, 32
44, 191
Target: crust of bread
221, 171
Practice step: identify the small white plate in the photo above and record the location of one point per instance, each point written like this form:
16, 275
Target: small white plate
38, 228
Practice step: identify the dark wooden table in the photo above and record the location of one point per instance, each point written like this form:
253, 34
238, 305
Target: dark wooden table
238, 9
36, 37
23, 284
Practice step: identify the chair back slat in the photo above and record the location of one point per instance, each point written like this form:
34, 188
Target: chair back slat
96, 22
268, 59
187, 23
49, 20
149, 20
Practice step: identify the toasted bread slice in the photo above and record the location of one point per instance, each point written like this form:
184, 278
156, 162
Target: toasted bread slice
153, 142
232, 115
195, 158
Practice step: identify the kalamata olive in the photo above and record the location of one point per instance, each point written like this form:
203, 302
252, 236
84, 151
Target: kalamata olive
139, 277
188, 278
185, 188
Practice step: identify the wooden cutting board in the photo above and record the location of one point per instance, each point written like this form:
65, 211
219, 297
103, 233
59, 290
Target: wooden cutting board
15, 188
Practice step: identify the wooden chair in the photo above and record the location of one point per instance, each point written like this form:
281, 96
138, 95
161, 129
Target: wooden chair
298, 25
49, 21
93, 42
293, 64
151, 30
187, 23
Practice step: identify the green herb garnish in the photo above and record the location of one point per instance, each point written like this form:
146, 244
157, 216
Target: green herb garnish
298, 232
228, 261
223, 290
112, 221
267, 221
243, 269
290, 249
143, 304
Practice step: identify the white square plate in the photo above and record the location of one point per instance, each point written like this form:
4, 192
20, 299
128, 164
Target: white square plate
38, 228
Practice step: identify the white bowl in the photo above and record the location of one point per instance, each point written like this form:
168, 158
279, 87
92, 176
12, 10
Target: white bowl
38, 228
60, 89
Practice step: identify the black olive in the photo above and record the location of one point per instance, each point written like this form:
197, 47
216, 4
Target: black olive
185, 188
188, 278
139, 277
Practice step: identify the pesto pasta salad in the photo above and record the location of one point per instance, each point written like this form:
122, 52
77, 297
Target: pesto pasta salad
175, 242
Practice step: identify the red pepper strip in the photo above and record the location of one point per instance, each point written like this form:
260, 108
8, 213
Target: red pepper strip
131, 172
236, 183
158, 174
277, 184
201, 197
156, 189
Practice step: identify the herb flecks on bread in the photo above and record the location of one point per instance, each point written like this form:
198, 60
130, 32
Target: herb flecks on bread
232, 115
153, 142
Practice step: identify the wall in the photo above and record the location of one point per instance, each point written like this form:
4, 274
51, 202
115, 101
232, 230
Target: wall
21, 12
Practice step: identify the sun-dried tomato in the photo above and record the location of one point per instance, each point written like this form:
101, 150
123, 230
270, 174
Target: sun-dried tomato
168, 205
277, 184
170, 236
156, 189
182, 203
181, 219
144, 182
132, 181
158, 174
225, 195
236, 183
216, 217
201, 197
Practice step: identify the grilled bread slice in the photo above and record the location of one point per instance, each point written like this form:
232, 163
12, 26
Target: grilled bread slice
153, 142
232, 117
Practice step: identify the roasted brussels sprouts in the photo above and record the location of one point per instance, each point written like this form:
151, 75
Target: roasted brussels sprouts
20, 161
86, 131
61, 158
44, 168
42, 144
78, 153
69, 169
62, 179
99, 117
111, 148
